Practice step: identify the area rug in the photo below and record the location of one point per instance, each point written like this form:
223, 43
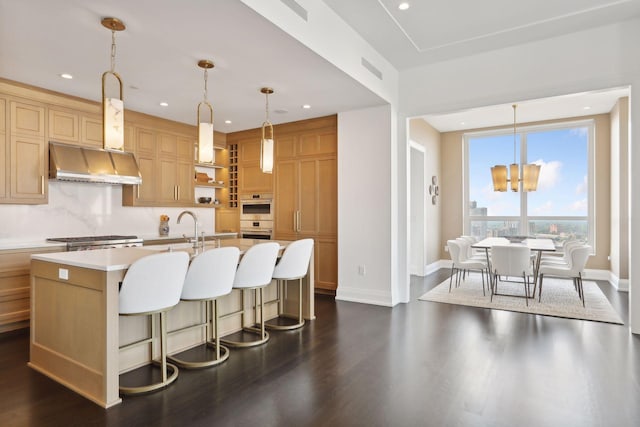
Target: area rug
559, 299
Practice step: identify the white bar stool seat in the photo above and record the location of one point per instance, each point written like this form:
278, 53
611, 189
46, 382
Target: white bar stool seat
209, 277
152, 285
293, 265
255, 272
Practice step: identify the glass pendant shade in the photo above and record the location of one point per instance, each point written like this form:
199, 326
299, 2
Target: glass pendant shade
267, 141
499, 176
530, 175
514, 176
113, 123
206, 153
266, 148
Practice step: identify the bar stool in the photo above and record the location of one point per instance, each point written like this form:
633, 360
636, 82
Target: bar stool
152, 285
293, 265
209, 277
254, 272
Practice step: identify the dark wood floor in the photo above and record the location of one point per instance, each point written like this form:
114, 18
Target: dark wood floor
418, 364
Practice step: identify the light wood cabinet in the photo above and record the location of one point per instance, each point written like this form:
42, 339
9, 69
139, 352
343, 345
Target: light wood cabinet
4, 148
251, 179
23, 155
64, 126
28, 169
227, 220
91, 131
305, 201
166, 164
15, 287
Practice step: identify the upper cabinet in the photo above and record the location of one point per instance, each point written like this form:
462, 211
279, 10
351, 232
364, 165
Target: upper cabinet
24, 156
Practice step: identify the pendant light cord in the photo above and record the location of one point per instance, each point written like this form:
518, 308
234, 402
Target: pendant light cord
113, 50
206, 79
267, 105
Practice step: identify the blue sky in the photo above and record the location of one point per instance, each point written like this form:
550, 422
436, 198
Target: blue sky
562, 186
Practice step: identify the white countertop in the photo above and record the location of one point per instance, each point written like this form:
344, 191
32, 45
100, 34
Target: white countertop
8, 244
121, 258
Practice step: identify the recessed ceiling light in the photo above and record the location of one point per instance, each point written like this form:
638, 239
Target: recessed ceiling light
587, 108
228, 122
404, 5
462, 123
306, 106
66, 76
164, 104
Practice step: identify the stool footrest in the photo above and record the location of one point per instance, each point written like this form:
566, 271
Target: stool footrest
275, 327
253, 330
224, 355
155, 386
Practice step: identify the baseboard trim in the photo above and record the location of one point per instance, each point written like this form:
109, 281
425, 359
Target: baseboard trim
364, 296
435, 266
621, 285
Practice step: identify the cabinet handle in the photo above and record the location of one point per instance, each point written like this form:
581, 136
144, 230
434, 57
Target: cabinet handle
175, 192
178, 197
138, 191
299, 220
42, 184
295, 220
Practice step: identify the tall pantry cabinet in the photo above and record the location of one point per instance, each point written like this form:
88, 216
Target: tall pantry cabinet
305, 192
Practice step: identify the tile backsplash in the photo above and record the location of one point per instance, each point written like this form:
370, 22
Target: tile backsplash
78, 209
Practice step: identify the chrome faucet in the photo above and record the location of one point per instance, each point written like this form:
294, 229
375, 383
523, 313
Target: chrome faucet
195, 226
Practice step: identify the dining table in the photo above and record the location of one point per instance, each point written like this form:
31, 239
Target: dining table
536, 245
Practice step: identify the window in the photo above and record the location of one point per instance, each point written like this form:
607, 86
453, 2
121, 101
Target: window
560, 209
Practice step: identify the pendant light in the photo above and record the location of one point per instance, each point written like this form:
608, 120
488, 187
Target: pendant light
206, 153
266, 143
530, 172
112, 108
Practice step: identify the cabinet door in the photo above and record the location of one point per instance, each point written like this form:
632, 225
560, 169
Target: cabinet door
28, 172
326, 264
167, 145
327, 213
185, 149
252, 180
184, 181
286, 198
145, 192
4, 172
63, 126
227, 220
91, 132
145, 142
27, 119
285, 147
318, 143
167, 186
249, 151
308, 182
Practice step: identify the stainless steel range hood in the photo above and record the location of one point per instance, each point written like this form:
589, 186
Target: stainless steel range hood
84, 164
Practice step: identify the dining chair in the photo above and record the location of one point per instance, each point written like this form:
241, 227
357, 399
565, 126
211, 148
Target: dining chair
511, 261
460, 263
573, 270
566, 255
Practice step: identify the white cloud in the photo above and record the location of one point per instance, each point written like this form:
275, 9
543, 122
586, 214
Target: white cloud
544, 209
549, 174
582, 187
581, 131
579, 206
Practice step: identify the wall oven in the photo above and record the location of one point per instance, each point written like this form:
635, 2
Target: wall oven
256, 216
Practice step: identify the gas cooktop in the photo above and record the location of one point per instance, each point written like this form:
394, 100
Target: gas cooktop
91, 238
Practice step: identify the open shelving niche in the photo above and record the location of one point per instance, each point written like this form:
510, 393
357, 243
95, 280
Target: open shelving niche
217, 188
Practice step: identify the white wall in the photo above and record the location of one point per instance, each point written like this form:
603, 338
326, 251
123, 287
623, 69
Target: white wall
599, 58
80, 209
364, 210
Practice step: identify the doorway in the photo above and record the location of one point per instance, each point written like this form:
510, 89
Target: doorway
417, 208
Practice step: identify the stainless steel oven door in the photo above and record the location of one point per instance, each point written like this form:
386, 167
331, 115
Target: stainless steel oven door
256, 210
255, 235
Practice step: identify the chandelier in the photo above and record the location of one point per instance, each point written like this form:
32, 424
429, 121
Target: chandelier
112, 108
530, 172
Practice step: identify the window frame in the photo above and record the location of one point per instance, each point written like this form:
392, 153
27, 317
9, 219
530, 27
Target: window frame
524, 218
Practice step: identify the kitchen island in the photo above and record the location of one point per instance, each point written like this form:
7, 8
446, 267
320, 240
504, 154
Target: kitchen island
76, 331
